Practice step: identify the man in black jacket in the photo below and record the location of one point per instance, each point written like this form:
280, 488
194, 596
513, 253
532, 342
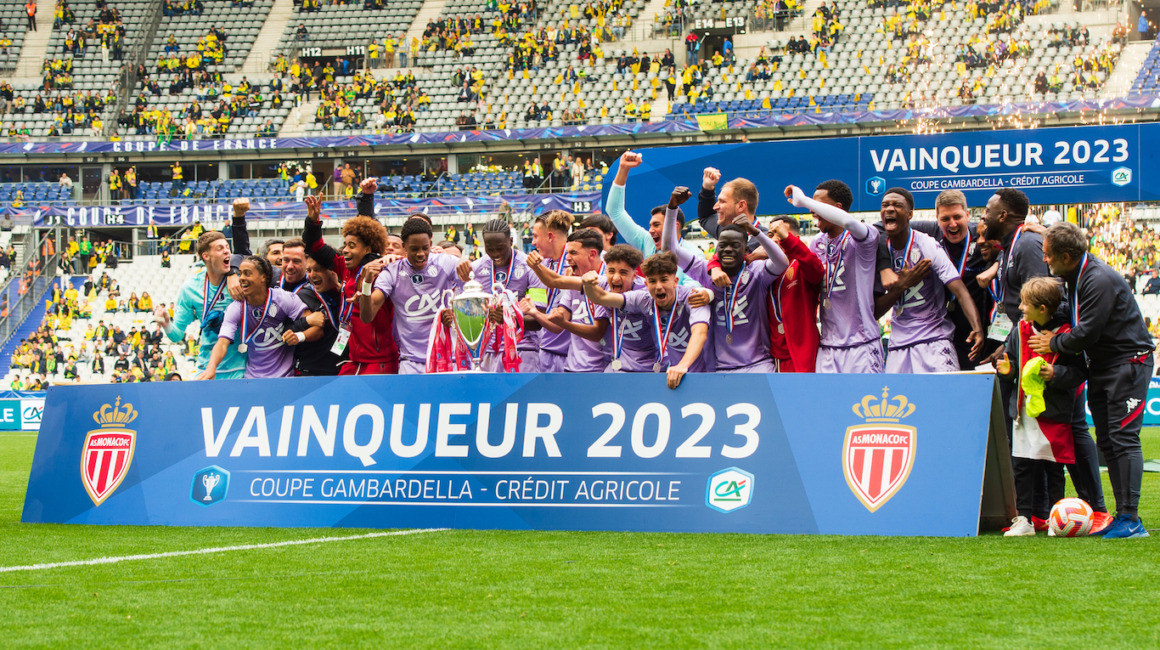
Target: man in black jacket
1108, 330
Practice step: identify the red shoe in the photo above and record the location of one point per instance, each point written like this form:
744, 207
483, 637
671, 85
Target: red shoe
1100, 521
1040, 524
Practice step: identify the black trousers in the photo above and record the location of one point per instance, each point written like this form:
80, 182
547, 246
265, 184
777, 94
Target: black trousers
1117, 397
1038, 485
1085, 473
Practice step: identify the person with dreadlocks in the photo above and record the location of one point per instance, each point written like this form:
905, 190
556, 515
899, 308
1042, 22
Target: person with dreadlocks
257, 323
368, 345
414, 285
502, 264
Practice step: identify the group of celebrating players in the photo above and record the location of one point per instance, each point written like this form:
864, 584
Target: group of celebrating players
959, 293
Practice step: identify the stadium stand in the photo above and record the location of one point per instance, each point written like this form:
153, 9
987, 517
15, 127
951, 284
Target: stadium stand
1148, 78
13, 26
71, 337
25, 194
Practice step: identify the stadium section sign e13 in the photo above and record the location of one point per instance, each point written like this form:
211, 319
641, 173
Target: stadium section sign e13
852, 454
1053, 166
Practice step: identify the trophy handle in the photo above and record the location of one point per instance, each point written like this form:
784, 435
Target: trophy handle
448, 298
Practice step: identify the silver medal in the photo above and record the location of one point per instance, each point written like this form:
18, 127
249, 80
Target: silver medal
729, 339
781, 328
656, 366
826, 303
242, 348
616, 365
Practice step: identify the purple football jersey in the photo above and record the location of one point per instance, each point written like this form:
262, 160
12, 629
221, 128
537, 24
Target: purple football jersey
516, 277
681, 331
638, 344
417, 296
585, 355
750, 335
266, 355
920, 315
848, 320
549, 342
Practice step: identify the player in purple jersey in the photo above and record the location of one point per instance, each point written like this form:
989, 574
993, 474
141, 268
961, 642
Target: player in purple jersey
549, 236
586, 323
920, 332
505, 266
741, 327
414, 285
633, 347
680, 329
258, 322
851, 340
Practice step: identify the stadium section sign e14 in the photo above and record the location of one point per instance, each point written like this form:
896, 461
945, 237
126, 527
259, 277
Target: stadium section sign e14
1056, 165
856, 454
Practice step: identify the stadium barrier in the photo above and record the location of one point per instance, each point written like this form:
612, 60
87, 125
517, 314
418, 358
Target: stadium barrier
803, 454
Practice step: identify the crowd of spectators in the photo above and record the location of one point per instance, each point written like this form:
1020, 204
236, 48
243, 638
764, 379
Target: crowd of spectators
211, 111
106, 31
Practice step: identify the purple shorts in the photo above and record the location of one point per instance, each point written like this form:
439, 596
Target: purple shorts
923, 358
765, 365
411, 367
552, 362
529, 361
861, 359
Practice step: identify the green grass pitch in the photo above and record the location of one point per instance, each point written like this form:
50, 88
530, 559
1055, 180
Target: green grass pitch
556, 590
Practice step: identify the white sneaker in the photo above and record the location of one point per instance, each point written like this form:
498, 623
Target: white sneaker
1020, 527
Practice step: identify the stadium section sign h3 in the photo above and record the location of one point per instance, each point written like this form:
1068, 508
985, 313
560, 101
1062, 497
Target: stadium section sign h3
863, 454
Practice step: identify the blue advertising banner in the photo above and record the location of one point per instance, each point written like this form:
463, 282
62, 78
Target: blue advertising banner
866, 454
1056, 165
1151, 407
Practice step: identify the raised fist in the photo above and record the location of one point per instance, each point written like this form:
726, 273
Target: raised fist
711, 177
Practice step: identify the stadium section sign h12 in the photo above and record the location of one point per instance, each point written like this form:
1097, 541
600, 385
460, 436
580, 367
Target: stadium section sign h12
724, 453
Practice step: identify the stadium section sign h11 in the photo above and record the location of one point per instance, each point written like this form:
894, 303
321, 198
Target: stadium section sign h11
852, 454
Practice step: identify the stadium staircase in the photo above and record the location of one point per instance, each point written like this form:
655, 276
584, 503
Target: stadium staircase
266, 44
300, 119
430, 10
31, 322
32, 54
1119, 83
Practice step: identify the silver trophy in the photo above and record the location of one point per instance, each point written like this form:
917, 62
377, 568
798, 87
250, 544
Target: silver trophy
210, 481
470, 311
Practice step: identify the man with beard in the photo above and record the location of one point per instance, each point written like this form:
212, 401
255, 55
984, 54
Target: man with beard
920, 335
1108, 330
313, 341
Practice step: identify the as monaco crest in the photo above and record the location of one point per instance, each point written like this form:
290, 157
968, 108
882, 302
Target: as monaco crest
108, 451
877, 456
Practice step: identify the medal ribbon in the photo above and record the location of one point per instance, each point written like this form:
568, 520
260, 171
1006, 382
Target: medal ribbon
777, 299
1004, 264
208, 303
347, 309
508, 277
618, 322
326, 307
731, 298
587, 302
246, 318
905, 255
663, 337
833, 269
1075, 292
552, 293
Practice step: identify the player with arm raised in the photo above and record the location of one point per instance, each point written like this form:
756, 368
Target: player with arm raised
850, 339
680, 329
741, 327
414, 285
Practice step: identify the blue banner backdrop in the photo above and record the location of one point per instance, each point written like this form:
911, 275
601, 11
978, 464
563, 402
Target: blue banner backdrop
850, 454
1056, 165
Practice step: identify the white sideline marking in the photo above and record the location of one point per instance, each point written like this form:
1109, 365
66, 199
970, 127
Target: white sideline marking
220, 549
